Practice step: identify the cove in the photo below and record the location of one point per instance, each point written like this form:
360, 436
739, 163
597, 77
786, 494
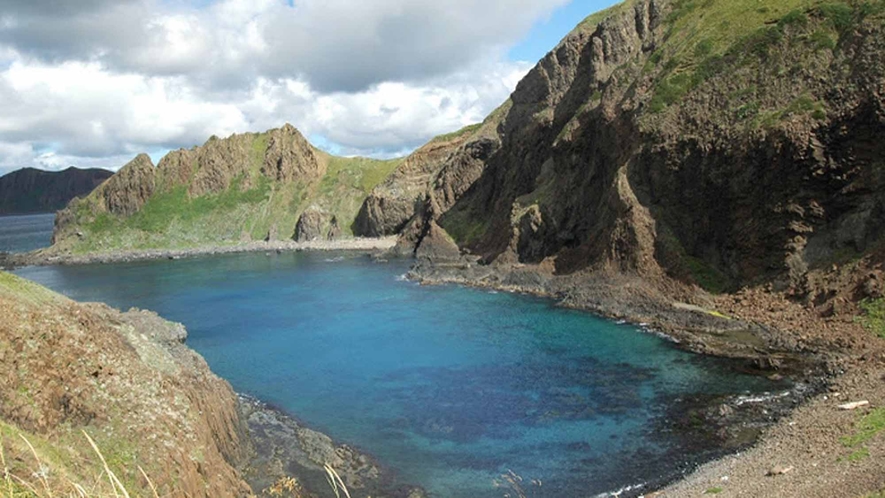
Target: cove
448, 386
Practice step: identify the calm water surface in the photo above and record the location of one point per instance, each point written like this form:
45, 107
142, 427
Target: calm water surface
450, 387
25, 232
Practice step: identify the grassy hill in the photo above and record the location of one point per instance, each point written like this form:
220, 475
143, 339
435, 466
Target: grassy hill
242, 188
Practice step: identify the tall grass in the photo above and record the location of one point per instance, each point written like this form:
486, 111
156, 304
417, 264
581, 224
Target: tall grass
34, 479
39, 485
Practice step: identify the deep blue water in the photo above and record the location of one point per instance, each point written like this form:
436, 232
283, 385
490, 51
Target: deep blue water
25, 232
450, 387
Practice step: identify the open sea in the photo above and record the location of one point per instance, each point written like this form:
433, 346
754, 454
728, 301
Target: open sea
449, 387
24, 233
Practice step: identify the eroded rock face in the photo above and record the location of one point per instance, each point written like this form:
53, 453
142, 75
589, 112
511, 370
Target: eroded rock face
586, 173
126, 379
316, 224
128, 190
279, 158
280, 155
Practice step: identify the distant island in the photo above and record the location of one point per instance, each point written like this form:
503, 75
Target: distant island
30, 190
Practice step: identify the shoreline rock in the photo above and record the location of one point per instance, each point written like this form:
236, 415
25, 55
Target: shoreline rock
46, 257
285, 447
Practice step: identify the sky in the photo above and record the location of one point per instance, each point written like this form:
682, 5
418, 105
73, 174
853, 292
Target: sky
92, 83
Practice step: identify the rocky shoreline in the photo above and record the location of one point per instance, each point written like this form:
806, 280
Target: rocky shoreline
284, 447
45, 257
695, 326
832, 360
751, 328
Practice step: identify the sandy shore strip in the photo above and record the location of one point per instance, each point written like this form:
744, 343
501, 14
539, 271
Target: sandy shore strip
819, 451
44, 257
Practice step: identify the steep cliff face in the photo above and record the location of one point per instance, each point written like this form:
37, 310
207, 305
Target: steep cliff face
723, 143
128, 191
253, 186
127, 380
30, 190
428, 183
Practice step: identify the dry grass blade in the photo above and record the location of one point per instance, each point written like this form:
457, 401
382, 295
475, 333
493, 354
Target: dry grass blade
335, 481
81, 493
41, 470
97, 482
6, 476
115, 483
150, 483
26, 484
332, 484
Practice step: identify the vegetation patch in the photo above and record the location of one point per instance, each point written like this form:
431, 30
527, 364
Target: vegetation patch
708, 277
162, 209
821, 40
868, 427
873, 316
463, 226
457, 134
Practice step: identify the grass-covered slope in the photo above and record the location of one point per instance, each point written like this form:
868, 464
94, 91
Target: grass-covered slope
74, 372
246, 187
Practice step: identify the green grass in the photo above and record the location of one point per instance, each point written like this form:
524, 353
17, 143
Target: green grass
821, 40
858, 455
463, 226
457, 134
873, 316
347, 182
839, 15
706, 36
159, 212
709, 278
713, 491
23, 289
258, 151
590, 23
868, 427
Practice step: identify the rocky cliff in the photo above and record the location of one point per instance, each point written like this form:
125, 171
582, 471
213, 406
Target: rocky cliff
718, 144
721, 143
30, 190
128, 381
254, 186
160, 419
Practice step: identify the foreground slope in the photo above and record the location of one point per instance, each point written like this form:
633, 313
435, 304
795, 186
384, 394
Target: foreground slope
254, 186
30, 190
127, 380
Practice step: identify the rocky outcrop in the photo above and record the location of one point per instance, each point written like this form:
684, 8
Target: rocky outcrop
128, 190
316, 224
634, 148
428, 183
279, 155
127, 380
396, 200
30, 190
236, 188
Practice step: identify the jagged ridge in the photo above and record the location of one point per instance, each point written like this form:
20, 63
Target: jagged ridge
722, 142
253, 186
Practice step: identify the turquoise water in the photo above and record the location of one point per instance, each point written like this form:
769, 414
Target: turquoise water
450, 387
26, 232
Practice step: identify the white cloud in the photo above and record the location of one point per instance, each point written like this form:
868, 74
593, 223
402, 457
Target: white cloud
101, 80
